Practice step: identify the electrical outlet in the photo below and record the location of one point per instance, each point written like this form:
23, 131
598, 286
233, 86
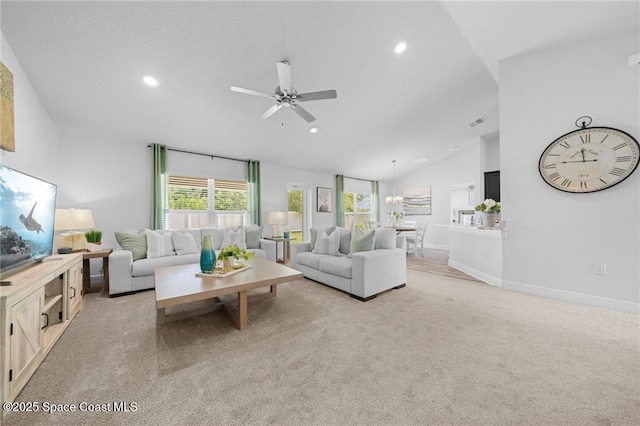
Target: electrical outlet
600, 268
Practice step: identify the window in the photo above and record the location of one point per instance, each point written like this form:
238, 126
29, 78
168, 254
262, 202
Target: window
205, 203
357, 210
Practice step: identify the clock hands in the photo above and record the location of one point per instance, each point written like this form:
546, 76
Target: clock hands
582, 152
578, 161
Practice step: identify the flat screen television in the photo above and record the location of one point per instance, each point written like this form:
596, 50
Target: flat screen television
27, 214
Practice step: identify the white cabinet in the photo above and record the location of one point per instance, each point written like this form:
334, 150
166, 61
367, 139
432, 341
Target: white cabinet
35, 309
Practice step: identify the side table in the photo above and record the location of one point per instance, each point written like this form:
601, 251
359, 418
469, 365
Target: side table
285, 247
86, 276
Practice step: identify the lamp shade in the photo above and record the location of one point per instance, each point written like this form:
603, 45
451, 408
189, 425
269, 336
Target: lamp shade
73, 219
277, 218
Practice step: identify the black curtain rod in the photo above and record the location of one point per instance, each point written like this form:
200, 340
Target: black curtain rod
366, 180
212, 156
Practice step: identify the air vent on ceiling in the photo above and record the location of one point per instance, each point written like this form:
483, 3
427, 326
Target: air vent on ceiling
476, 122
634, 60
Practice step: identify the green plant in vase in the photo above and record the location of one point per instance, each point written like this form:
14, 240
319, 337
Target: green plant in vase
94, 240
234, 252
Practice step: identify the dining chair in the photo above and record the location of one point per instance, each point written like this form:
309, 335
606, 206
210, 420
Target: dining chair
418, 239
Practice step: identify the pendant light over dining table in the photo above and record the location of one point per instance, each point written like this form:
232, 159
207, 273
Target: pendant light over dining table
393, 199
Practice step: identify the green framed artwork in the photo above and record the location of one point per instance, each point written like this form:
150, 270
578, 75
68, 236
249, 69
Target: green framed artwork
7, 124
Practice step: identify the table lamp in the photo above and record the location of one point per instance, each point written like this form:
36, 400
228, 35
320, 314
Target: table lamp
73, 220
275, 219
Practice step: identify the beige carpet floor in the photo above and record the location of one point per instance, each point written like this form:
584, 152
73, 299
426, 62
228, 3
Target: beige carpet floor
441, 351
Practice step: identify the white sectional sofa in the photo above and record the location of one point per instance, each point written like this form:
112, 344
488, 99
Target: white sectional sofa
363, 275
127, 275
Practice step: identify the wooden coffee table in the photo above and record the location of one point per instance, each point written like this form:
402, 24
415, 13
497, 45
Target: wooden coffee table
185, 295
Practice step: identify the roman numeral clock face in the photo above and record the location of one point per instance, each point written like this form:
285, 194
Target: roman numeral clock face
590, 159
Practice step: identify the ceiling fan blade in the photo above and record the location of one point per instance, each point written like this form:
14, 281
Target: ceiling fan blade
284, 76
303, 113
316, 96
251, 92
268, 113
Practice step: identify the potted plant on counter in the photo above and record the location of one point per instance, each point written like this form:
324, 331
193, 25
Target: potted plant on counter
94, 240
490, 209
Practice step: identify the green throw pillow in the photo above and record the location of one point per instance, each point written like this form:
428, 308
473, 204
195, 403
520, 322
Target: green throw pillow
135, 243
361, 241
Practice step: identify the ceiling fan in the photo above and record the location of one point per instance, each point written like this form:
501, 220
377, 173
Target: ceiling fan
287, 96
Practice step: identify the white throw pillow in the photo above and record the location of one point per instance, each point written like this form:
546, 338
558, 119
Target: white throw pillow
159, 245
328, 244
234, 237
184, 243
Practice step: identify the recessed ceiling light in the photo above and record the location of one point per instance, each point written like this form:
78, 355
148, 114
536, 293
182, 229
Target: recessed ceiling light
400, 47
313, 130
150, 80
420, 160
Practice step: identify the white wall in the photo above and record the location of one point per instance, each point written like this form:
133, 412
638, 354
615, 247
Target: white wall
460, 168
36, 136
555, 237
113, 179
274, 192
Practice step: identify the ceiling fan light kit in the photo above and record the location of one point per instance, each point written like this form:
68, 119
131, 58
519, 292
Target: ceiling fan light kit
287, 96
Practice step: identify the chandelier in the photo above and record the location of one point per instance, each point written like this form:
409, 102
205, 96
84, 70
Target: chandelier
393, 199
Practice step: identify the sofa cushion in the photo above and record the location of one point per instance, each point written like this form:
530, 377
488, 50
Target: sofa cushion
340, 266
144, 267
314, 235
135, 243
184, 243
345, 240
385, 238
311, 260
328, 244
233, 237
159, 244
362, 241
253, 234
216, 234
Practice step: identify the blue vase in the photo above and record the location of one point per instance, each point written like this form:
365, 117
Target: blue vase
207, 255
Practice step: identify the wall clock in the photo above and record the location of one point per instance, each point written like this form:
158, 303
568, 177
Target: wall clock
589, 159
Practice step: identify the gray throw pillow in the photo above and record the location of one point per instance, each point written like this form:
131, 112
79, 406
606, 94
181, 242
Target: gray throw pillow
362, 241
253, 234
345, 240
135, 243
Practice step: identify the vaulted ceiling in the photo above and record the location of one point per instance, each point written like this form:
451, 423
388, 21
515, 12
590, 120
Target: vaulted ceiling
86, 61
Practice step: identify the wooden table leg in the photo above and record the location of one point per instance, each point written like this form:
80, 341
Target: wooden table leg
274, 291
105, 275
242, 310
160, 316
86, 276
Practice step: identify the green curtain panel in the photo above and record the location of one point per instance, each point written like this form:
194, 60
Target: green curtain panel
340, 200
158, 185
253, 192
375, 200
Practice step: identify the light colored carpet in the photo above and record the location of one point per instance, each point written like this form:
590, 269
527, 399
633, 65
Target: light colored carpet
440, 351
435, 261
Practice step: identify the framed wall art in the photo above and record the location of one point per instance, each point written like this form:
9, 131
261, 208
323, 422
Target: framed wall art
417, 201
325, 200
7, 124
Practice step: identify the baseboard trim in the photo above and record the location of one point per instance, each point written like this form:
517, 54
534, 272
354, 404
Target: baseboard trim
436, 246
482, 276
570, 296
